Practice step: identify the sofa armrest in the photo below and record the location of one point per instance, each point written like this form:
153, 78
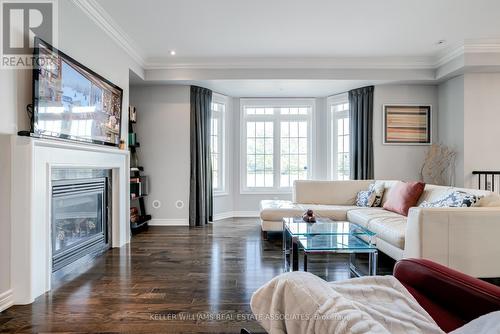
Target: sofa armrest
450, 297
466, 239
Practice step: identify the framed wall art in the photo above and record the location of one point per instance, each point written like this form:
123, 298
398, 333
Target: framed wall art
407, 124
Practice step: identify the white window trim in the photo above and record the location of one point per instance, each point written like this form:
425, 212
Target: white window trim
274, 102
223, 168
332, 140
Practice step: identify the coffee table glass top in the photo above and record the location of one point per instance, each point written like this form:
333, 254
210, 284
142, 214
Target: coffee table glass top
321, 243
324, 226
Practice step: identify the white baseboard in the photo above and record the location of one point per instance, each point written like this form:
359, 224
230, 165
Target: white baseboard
6, 300
236, 214
218, 216
169, 222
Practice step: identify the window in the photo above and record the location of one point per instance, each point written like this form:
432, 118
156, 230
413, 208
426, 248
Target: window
340, 137
217, 143
275, 143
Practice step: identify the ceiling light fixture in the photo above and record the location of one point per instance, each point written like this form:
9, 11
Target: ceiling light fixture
441, 42
172, 52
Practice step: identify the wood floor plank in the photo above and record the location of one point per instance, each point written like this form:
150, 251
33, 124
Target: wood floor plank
169, 280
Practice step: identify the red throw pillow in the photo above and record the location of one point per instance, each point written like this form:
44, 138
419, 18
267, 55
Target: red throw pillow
403, 196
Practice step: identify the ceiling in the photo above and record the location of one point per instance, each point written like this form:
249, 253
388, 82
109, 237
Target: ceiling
301, 28
223, 35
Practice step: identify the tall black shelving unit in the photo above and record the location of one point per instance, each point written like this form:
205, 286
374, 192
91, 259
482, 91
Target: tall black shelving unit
138, 182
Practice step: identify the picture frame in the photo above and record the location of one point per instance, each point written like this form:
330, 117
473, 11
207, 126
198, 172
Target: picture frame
407, 124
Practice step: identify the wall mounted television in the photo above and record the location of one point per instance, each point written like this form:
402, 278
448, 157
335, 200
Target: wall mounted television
73, 102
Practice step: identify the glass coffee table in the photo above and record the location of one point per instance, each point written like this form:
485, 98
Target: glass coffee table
327, 236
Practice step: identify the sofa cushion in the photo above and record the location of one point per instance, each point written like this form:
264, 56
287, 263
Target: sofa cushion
390, 229
275, 210
362, 216
403, 196
388, 226
335, 212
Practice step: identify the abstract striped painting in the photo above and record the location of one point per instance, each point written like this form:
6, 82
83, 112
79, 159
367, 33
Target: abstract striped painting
407, 124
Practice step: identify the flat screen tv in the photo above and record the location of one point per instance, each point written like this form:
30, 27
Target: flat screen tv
73, 102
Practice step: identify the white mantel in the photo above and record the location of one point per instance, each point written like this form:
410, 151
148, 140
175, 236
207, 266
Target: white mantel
32, 162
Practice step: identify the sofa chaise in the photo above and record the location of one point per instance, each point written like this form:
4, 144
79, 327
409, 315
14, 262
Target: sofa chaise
463, 238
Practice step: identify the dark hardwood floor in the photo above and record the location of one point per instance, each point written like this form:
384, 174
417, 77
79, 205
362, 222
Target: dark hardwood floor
168, 280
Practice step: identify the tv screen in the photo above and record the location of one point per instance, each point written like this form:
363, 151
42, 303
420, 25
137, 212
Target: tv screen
73, 102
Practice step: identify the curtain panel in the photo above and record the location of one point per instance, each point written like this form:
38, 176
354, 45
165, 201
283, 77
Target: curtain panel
361, 131
200, 194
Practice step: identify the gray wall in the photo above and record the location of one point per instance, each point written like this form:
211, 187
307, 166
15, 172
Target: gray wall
481, 124
400, 162
5, 176
163, 131
469, 122
451, 122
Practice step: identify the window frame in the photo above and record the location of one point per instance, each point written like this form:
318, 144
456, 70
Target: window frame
276, 118
222, 140
333, 139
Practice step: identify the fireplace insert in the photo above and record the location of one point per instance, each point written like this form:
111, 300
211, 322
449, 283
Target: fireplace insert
79, 220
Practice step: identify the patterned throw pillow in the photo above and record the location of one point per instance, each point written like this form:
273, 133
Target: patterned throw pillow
371, 197
455, 199
365, 198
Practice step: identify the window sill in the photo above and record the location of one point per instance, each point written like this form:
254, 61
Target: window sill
220, 193
266, 192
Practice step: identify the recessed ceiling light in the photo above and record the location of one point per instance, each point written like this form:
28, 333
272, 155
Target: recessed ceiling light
441, 42
172, 52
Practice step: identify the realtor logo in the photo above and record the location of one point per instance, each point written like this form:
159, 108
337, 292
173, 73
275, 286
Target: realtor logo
21, 23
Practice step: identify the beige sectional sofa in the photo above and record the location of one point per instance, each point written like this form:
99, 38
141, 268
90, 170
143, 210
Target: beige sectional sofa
465, 239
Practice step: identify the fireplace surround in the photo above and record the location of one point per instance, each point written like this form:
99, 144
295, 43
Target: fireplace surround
36, 166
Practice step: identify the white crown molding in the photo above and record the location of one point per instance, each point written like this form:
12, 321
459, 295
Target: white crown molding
449, 56
99, 15
291, 63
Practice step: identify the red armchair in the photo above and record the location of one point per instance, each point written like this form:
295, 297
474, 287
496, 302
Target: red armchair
451, 298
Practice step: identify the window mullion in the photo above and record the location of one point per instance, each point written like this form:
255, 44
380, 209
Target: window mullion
277, 149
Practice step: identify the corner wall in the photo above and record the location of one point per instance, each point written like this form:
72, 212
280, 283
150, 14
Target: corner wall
163, 131
451, 122
481, 124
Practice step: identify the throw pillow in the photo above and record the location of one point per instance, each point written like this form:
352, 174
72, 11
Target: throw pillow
455, 199
403, 196
365, 198
370, 197
379, 189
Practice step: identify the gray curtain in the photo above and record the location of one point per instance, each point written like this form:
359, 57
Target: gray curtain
200, 195
361, 129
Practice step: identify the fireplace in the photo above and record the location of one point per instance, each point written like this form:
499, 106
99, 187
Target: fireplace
80, 216
38, 165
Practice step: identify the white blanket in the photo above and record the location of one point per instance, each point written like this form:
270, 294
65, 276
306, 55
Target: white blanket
300, 302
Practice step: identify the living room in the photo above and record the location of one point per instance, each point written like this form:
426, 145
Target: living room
245, 157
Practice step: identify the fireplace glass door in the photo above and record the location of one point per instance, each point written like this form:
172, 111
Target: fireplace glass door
78, 219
